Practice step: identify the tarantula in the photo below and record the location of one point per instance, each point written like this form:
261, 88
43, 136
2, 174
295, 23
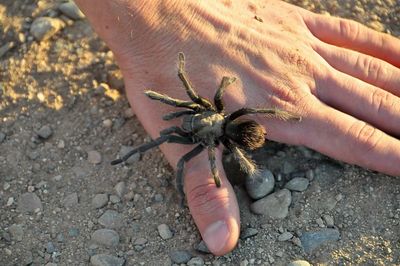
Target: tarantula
207, 125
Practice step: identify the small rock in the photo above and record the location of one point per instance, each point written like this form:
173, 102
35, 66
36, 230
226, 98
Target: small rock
128, 112
111, 219
71, 10
107, 123
10, 201
287, 167
120, 188
45, 132
299, 263
73, 232
2, 137
285, 236
115, 79
274, 206
106, 237
60, 237
125, 150
196, 261
158, 197
297, 184
99, 201
312, 240
5, 48
43, 28
29, 202
202, 247
140, 241
320, 222
248, 232
106, 260
50, 248
180, 256
70, 200
164, 231
114, 199
94, 157
260, 184
16, 232
328, 220
6, 186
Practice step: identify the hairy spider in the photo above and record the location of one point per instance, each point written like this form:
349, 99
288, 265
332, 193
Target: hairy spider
207, 125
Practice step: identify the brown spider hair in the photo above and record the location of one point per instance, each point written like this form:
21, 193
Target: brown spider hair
246, 133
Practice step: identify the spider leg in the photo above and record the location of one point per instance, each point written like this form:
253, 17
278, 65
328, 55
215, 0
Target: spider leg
273, 112
246, 164
214, 170
188, 86
181, 163
173, 115
175, 129
158, 141
172, 101
226, 81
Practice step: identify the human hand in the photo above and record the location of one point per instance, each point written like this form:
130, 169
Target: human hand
340, 77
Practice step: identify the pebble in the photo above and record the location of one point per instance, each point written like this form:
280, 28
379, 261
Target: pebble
111, 219
10, 201
107, 123
131, 160
164, 231
106, 260
114, 199
29, 202
45, 132
312, 240
285, 236
94, 157
320, 222
297, 184
50, 248
260, 184
6, 186
43, 28
16, 232
99, 201
5, 48
128, 112
2, 137
120, 188
70, 200
140, 241
105, 237
196, 261
248, 232
328, 220
73, 232
275, 206
180, 256
115, 79
202, 247
71, 10
299, 263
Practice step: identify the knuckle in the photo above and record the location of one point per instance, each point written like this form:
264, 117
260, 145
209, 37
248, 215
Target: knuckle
368, 136
382, 100
207, 198
348, 28
373, 68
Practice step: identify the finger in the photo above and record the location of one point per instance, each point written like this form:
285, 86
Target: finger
355, 36
362, 100
364, 67
214, 209
342, 137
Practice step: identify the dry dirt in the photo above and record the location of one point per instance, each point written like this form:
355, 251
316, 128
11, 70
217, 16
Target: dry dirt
58, 84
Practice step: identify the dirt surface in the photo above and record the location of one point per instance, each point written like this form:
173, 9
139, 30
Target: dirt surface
63, 118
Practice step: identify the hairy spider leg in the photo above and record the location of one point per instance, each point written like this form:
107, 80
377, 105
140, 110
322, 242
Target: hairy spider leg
173, 115
172, 101
175, 129
158, 141
274, 112
219, 104
188, 86
181, 163
246, 164
214, 170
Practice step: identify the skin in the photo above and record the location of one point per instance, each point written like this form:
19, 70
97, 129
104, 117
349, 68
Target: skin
342, 78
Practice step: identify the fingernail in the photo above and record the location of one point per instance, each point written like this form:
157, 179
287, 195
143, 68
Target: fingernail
216, 235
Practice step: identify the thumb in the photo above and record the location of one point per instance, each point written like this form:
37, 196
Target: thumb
214, 209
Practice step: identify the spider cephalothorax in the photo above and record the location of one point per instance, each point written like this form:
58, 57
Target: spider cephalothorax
207, 125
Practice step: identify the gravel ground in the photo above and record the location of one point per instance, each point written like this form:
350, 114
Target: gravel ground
64, 118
